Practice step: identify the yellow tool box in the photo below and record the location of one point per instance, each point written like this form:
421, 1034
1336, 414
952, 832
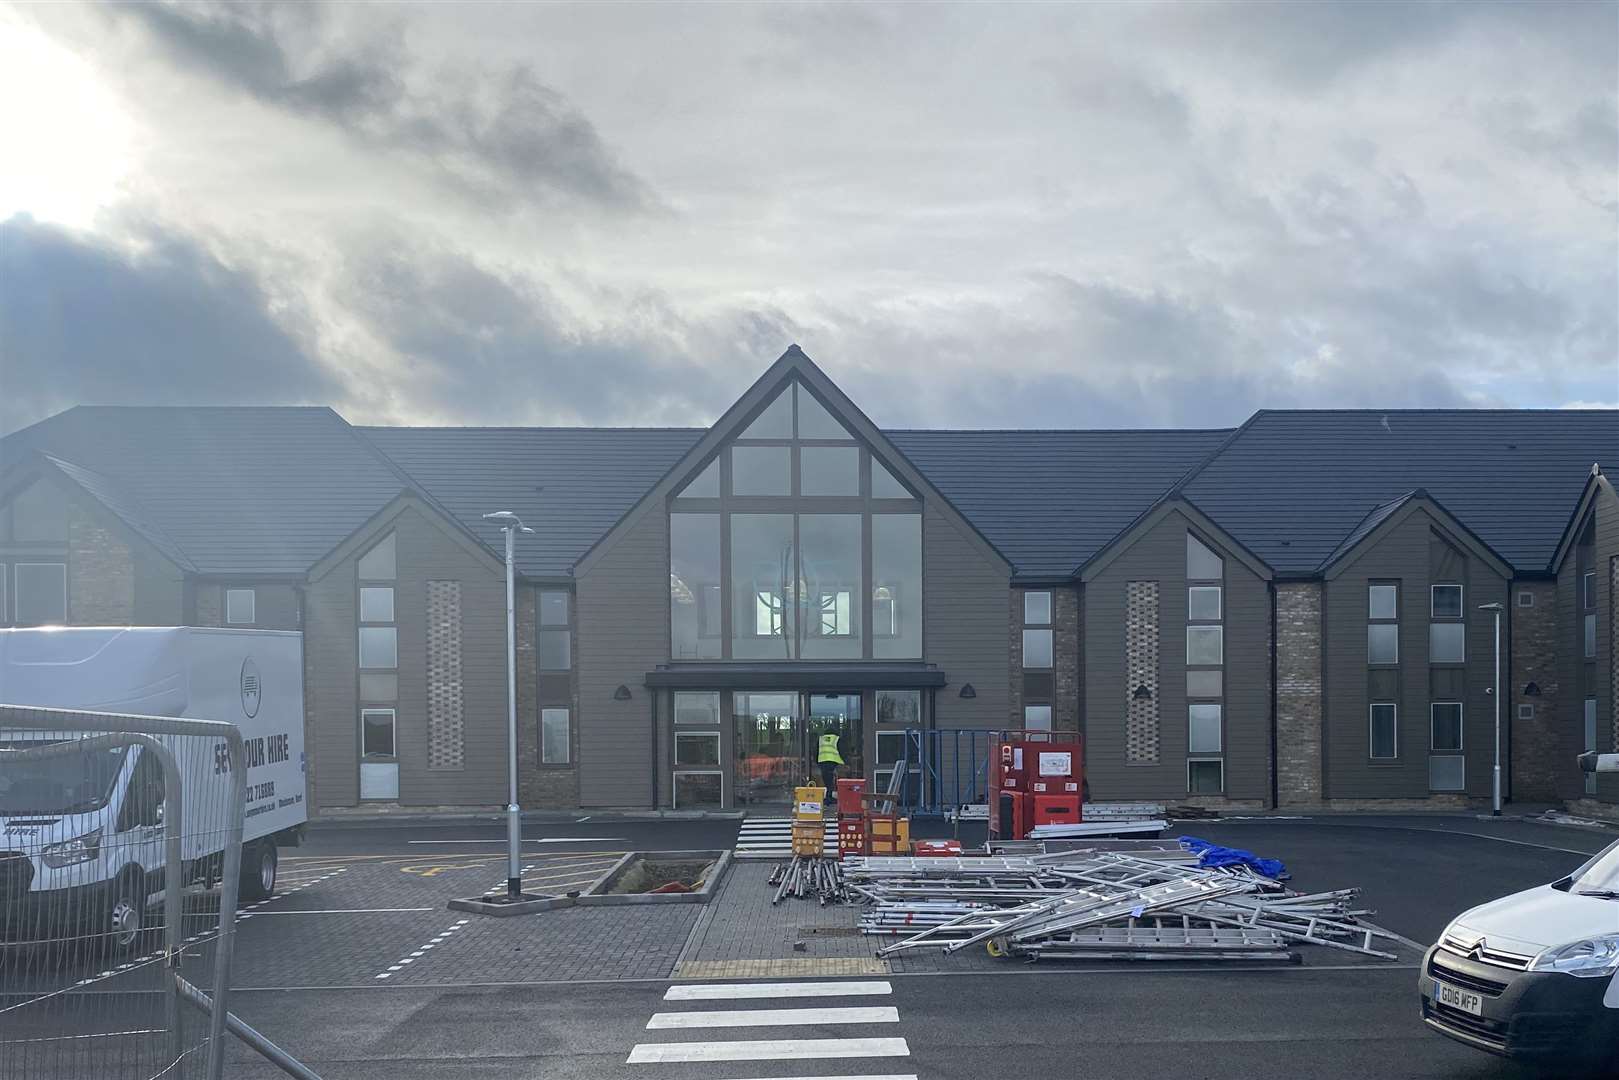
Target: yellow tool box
809, 838
808, 803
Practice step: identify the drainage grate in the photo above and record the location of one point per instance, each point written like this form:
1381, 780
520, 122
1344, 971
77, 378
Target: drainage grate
831, 931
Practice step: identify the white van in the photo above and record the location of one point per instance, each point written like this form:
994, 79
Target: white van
82, 835
1536, 974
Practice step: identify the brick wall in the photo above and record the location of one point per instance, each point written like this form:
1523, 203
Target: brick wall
1298, 692
1014, 706
546, 788
210, 606
101, 574
1535, 741
1066, 659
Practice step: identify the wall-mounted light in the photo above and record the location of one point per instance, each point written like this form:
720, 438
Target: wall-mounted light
1531, 689
1142, 693
622, 693
967, 691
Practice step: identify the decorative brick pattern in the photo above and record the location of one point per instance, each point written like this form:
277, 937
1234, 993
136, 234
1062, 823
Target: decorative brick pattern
1536, 741
1065, 655
1141, 736
1298, 692
446, 720
101, 572
1613, 649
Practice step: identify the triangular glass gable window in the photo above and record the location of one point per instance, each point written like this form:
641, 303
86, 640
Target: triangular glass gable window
378, 563
776, 422
1201, 563
705, 485
814, 422
885, 486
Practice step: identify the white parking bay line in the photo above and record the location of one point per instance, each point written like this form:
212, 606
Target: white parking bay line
885, 1014
541, 840
725, 991
882, 1076
766, 1050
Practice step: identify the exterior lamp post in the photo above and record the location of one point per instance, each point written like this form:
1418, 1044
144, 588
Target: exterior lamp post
511, 525
1495, 692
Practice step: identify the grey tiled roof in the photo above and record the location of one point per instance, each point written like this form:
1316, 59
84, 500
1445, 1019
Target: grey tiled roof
1292, 485
1049, 500
568, 484
238, 489
111, 494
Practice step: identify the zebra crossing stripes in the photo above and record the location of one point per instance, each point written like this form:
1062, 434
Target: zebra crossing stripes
815, 1020
772, 837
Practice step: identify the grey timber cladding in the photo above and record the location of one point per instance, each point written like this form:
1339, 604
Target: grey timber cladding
1291, 485
1406, 554
1049, 500
571, 485
966, 625
235, 489
622, 617
1159, 555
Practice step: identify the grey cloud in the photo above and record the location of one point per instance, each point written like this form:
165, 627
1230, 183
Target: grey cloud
498, 136
84, 321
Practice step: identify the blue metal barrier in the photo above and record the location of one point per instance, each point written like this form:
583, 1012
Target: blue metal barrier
945, 770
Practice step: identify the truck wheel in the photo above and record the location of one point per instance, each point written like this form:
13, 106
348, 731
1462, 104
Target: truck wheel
125, 923
259, 865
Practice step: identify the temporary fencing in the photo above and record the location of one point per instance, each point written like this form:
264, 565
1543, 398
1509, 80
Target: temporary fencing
109, 968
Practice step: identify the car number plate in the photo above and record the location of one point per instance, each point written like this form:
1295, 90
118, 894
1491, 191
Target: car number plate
1457, 998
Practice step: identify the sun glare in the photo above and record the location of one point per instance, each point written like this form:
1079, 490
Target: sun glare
66, 140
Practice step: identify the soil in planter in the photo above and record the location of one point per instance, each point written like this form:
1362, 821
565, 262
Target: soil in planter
652, 875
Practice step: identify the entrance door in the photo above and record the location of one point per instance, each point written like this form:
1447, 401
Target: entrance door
835, 714
769, 746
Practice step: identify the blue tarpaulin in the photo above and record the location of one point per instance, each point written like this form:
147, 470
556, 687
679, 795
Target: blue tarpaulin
1211, 854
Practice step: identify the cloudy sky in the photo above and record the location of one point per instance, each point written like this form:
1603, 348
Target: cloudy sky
970, 215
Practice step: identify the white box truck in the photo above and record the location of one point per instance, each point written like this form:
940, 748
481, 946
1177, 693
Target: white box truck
84, 833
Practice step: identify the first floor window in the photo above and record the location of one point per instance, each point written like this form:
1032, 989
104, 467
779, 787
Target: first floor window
379, 647
1384, 725
377, 733
836, 609
1588, 589
556, 650
1205, 776
1203, 602
1037, 717
240, 606
1383, 643
1447, 725
697, 707
41, 593
1445, 601
1203, 729
554, 748
1447, 643
1590, 634
1205, 645
377, 603
1037, 648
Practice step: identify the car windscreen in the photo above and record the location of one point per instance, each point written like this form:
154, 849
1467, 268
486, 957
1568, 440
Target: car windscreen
67, 784
1600, 874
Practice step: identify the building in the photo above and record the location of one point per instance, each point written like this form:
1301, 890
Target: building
1287, 613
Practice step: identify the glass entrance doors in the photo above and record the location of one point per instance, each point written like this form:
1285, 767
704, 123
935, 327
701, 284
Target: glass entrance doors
776, 736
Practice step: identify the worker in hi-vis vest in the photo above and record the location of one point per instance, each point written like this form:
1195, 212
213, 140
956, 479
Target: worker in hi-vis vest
828, 758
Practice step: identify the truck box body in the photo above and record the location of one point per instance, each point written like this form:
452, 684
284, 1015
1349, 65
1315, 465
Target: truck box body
250, 678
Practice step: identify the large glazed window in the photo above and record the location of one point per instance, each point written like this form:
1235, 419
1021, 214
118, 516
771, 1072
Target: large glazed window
794, 543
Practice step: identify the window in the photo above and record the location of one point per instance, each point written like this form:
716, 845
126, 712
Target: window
378, 564
1447, 772
885, 486
1383, 601
1383, 643
554, 745
1446, 717
1202, 564
1590, 635
39, 516
894, 750
1037, 609
1036, 648
376, 603
553, 608
1445, 601
697, 748
1203, 729
694, 586
899, 707
1205, 776
379, 686
240, 605
556, 650
761, 470
379, 647
700, 707
1526, 598
896, 595
377, 733
40, 590
5, 612
1447, 643
1526, 712
829, 470
1203, 602
831, 577
814, 422
1384, 731
1205, 645
1588, 589
1590, 741
1202, 683
705, 485
762, 572
1037, 717
775, 421
698, 790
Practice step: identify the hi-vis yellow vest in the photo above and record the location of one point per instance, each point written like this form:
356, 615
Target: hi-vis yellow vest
829, 750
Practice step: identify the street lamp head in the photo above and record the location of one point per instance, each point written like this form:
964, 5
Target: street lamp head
507, 520
1491, 607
